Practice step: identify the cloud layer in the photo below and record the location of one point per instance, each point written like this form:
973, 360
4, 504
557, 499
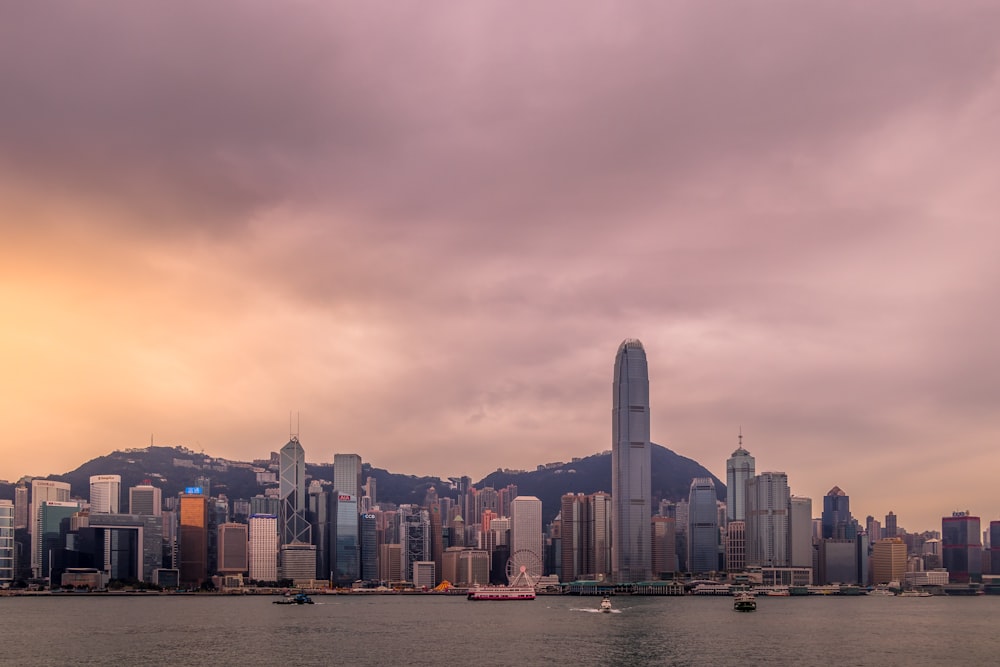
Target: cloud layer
427, 231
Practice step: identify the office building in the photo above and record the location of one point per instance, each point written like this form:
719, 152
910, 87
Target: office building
105, 493
193, 538
585, 536
837, 521
42, 491
703, 526
891, 530
262, 549
7, 521
630, 466
344, 544
736, 546
347, 474
888, 561
125, 546
740, 467
414, 539
526, 532
53, 524
664, 549
800, 531
294, 527
298, 562
320, 506
994, 547
961, 548
145, 499
233, 543
368, 542
767, 520
21, 506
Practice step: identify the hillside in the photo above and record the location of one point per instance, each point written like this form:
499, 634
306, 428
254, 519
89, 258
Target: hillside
174, 468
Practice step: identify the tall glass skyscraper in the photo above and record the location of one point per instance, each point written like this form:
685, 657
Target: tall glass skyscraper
295, 527
703, 526
739, 468
837, 522
631, 558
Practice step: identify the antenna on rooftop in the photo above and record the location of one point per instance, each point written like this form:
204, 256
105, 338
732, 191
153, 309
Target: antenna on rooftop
741, 435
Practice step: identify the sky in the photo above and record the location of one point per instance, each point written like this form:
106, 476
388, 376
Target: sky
425, 228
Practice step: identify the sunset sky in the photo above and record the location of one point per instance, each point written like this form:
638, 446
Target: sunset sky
426, 228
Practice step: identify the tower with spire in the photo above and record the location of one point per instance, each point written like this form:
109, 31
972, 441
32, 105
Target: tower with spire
739, 468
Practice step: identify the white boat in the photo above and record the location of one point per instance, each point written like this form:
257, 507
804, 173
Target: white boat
500, 593
606, 605
914, 594
744, 601
881, 591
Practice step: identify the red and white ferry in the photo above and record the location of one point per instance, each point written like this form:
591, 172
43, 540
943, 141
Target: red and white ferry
501, 593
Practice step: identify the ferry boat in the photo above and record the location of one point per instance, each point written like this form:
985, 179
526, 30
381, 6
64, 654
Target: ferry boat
606, 605
499, 593
744, 602
301, 598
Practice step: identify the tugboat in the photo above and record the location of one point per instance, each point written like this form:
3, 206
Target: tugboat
745, 601
301, 598
606, 605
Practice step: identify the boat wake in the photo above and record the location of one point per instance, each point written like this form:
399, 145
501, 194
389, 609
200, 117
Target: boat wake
596, 611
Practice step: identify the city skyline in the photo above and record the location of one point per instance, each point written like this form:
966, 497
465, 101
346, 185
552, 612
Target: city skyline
423, 231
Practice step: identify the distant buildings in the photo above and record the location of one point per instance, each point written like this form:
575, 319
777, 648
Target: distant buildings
630, 466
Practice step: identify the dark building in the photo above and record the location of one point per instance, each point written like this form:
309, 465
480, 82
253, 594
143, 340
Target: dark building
368, 531
961, 548
318, 512
193, 531
994, 547
837, 522
890, 529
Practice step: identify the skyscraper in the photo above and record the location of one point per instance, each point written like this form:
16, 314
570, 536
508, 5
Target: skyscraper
630, 466
739, 468
836, 519
347, 474
42, 491
526, 529
263, 547
767, 520
233, 541
21, 505
105, 493
800, 532
193, 558
292, 491
961, 548
703, 526
345, 549
6, 541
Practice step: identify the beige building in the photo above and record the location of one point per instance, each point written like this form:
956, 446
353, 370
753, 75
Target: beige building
888, 561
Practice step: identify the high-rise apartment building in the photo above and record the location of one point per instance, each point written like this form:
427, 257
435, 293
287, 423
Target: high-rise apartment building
526, 531
630, 466
740, 467
585, 538
961, 548
233, 548
146, 500
263, 547
767, 520
105, 494
42, 491
703, 526
347, 474
193, 533
294, 527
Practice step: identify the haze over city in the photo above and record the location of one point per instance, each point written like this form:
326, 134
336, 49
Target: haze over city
428, 232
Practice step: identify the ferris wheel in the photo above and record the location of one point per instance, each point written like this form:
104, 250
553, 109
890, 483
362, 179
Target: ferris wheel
524, 568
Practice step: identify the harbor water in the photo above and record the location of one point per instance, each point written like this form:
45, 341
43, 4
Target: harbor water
551, 630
